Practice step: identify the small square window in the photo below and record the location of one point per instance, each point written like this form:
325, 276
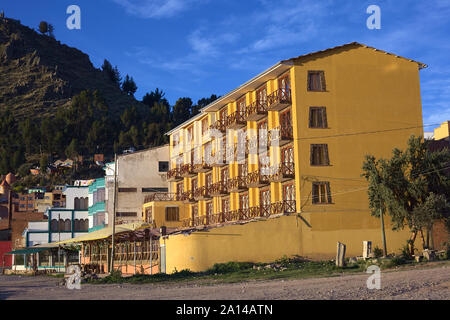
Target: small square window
321, 193
316, 81
163, 166
319, 155
318, 118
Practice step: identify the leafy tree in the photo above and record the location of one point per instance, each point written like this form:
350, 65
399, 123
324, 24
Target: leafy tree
72, 149
129, 86
43, 163
412, 187
112, 73
203, 103
51, 30
182, 110
43, 27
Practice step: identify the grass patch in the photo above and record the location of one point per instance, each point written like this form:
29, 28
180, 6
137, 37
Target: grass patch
238, 272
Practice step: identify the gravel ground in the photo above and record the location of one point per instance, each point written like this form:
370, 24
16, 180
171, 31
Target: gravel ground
430, 282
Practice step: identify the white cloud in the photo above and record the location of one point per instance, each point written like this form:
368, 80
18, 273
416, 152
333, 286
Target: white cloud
155, 8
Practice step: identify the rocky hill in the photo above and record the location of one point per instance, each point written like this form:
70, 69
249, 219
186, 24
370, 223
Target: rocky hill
39, 74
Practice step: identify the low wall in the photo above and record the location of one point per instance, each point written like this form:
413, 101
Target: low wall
315, 236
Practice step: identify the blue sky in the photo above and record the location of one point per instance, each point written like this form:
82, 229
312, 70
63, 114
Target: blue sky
193, 48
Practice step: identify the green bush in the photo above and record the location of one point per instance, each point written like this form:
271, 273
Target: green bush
230, 267
378, 253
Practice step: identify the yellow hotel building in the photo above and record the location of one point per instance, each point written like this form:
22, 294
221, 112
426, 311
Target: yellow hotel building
323, 113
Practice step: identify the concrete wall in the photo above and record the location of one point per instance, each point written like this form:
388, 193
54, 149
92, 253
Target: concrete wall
137, 170
75, 192
267, 241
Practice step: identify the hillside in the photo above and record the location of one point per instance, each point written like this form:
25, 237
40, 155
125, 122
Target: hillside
39, 74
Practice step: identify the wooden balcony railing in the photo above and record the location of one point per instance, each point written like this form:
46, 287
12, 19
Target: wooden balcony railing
279, 100
187, 171
202, 167
257, 180
160, 196
202, 193
237, 184
236, 120
187, 197
220, 125
285, 207
256, 111
285, 172
174, 175
285, 135
218, 189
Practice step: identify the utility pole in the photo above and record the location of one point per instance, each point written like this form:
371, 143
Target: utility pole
114, 215
383, 233
59, 240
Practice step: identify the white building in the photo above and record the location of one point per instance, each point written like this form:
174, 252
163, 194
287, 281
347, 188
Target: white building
138, 174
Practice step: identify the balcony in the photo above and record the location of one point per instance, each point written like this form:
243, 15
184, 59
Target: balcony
187, 197
286, 207
220, 125
202, 194
237, 184
187, 171
279, 100
202, 167
174, 175
162, 197
285, 172
285, 135
257, 111
218, 189
236, 120
257, 180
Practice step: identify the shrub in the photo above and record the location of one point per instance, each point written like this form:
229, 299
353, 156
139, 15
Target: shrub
378, 253
222, 268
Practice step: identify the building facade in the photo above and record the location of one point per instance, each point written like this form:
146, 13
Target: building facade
97, 212
139, 175
286, 148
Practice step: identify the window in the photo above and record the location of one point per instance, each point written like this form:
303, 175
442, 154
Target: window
289, 192
316, 81
208, 180
126, 214
223, 114
243, 201
127, 190
261, 96
163, 166
194, 184
147, 190
240, 106
225, 175
318, 117
205, 125
180, 188
319, 155
243, 169
190, 134
284, 85
172, 214
209, 208
225, 205
321, 193
176, 139
194, 212
264, 199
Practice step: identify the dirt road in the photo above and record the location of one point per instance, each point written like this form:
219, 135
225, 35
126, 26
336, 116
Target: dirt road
429, 283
